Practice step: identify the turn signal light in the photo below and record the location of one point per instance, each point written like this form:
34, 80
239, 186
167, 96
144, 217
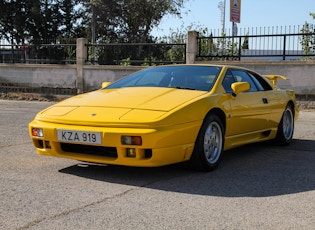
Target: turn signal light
131, 140
36, 132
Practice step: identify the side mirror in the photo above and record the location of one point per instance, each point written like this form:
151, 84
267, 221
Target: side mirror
105, 84
240, 87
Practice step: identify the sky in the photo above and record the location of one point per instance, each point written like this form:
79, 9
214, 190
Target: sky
254, 14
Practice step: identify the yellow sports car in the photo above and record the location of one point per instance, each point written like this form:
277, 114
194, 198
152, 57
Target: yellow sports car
168, 114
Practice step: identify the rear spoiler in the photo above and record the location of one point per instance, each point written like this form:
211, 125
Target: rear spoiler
273, 79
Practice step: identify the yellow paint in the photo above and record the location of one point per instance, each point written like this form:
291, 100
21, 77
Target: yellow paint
167, 119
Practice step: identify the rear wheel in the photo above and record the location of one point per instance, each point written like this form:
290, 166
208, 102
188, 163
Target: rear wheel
286, 127
208, 149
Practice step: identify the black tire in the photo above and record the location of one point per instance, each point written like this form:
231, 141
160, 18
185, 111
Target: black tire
286, 127
208, 150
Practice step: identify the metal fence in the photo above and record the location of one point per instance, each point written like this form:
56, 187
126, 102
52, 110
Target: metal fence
43, 52
253, 47
101, 54
267, 43
136, 53
260, 43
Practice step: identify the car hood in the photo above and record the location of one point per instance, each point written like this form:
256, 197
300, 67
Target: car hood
134, 104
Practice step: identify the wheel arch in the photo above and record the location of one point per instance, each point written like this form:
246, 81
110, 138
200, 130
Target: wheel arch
208, 150
286, 125
291, 103
220, 113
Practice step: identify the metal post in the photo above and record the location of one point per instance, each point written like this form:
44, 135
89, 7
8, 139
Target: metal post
239, 48
284, 46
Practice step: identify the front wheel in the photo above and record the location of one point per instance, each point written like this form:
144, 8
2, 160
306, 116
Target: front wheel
208, 149
286, 127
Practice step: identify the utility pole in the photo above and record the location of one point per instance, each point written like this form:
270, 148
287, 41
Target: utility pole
221, 6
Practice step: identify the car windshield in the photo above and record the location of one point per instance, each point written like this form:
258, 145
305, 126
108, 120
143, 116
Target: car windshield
181, 77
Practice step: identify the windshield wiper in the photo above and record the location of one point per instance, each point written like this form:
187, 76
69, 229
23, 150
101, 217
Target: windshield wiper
178, 87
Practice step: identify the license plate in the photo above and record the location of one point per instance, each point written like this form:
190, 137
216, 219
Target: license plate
72, 136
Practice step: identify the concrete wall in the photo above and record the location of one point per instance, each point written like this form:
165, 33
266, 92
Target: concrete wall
39, 75
94, 75
301, 74
61, 76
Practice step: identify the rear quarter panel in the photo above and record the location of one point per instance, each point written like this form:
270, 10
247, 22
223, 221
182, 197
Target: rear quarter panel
278, 100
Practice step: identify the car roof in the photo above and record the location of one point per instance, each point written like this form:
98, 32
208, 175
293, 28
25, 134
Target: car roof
216, 65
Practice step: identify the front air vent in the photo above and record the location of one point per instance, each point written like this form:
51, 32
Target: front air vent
89, 150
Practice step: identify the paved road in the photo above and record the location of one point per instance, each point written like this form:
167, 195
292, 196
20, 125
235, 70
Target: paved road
256, 187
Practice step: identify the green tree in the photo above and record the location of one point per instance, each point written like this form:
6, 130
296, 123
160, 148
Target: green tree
37, 20
71, 14
14, 19
177, 36
125, 21
128, 20
307, 40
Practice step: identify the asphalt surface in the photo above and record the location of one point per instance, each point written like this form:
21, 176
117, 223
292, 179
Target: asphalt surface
258, 186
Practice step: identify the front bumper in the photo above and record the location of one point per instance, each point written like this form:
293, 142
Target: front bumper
160, 146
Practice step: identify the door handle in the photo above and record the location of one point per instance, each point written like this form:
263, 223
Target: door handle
265, 100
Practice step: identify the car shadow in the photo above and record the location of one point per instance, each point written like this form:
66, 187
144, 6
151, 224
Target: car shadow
257, 170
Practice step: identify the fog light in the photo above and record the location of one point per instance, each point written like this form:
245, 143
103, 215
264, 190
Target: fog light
131, 152
131, 140
47, 145
36, 132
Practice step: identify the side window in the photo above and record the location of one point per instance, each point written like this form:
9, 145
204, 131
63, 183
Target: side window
260, 82
228, 81
243, 76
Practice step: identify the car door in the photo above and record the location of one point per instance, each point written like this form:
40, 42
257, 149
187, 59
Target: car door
249, 111
274, 100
